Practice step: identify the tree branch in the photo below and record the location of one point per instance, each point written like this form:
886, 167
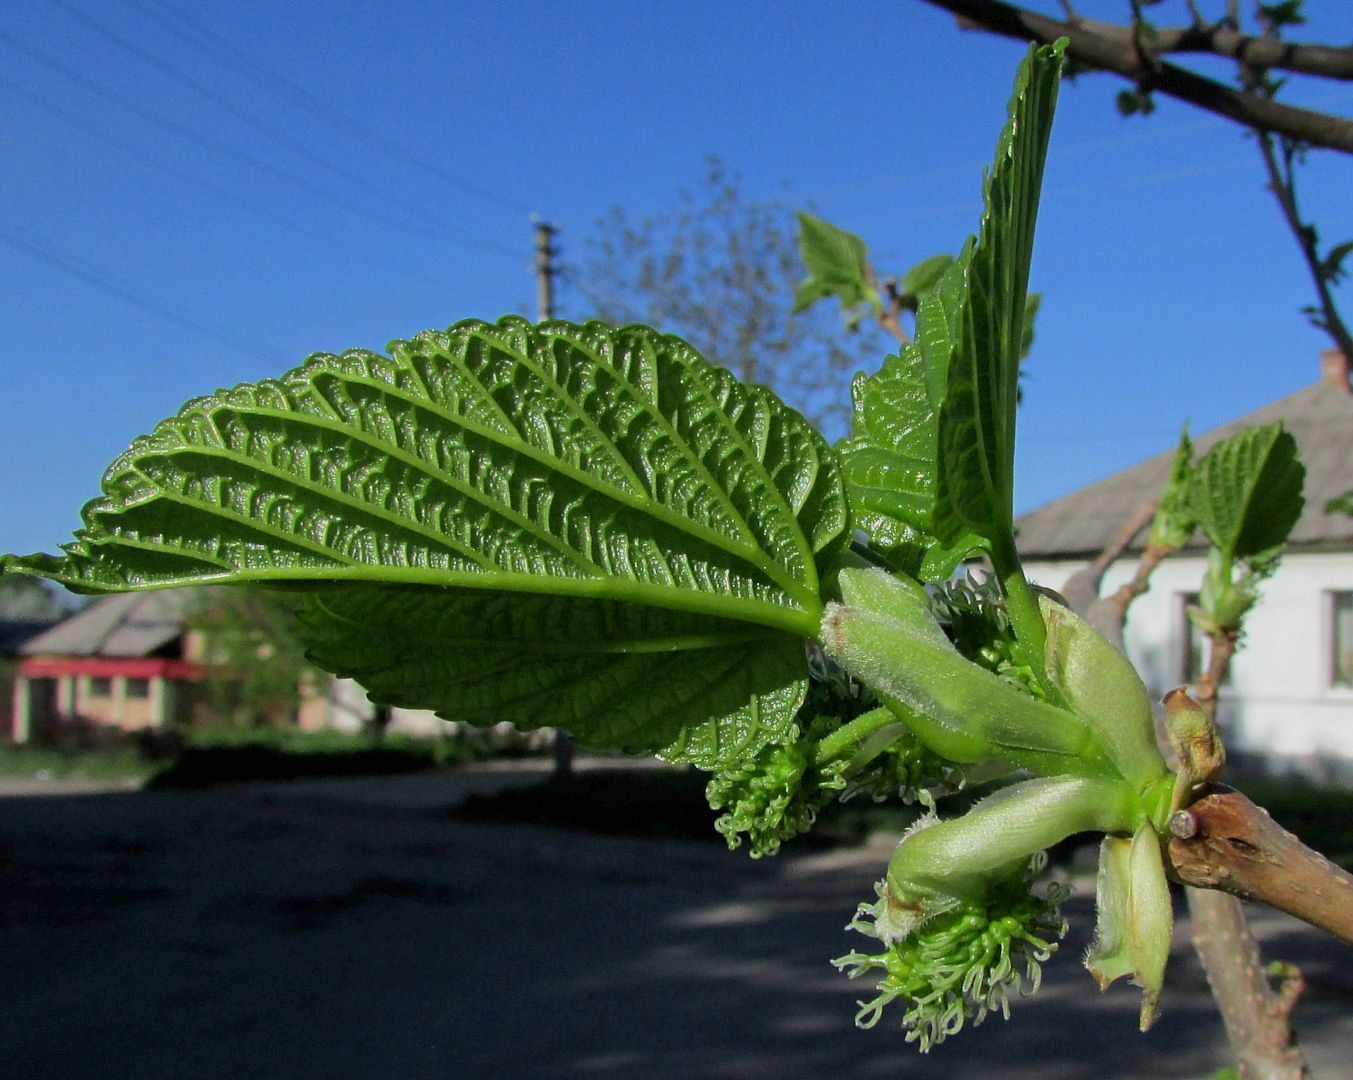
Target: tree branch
1148, 72
1221, 39
1224, 841
1282, 183
1256, 1020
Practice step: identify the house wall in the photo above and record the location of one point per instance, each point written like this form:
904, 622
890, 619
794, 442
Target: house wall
1280, 709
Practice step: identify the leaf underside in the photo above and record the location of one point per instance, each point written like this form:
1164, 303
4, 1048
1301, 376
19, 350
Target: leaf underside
691, 688
584, 473
930, 463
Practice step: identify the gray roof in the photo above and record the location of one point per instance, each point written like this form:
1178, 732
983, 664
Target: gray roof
128, 625
1319, 417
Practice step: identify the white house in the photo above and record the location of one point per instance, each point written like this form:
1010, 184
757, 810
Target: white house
1288, 705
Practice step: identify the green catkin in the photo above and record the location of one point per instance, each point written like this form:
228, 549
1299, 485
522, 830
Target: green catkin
963, 964
776, 795
973, 615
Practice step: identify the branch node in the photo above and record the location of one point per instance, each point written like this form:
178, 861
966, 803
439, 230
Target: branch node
1183, 825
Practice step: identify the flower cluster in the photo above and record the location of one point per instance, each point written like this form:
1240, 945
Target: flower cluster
903, 769
962, 963
973, 615
777, 794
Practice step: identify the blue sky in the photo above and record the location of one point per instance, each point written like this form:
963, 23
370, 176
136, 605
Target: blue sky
197, 195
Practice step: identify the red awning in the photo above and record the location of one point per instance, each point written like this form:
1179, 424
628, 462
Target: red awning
108, 667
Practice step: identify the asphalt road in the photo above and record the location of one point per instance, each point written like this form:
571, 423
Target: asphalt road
356, 929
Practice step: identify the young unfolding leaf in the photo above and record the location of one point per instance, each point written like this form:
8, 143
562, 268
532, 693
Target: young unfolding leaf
1246, 495
931, 460
1098, 683
586, 473
925, 275
1340, 504
1135, 921
837, 266
885, 634
1246, 492
1174, 522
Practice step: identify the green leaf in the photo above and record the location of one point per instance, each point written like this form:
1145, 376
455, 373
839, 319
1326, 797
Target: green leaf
930, 463
1332, 266
692, 688
1246, 492
1031, 305
926, 274
1174, 523
1340, 504
837, 265
592, 467
1284, 13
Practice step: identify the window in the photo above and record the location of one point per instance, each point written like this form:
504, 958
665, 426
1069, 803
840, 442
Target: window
1341, 639
138, 688
99, 686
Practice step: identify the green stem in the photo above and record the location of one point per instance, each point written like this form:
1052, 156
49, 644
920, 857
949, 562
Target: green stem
846, 736
1025, 618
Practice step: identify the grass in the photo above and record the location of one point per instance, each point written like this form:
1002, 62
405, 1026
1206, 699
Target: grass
42, 763
224, 755
227, 754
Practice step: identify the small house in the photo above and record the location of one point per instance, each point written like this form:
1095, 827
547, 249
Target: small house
1287, 705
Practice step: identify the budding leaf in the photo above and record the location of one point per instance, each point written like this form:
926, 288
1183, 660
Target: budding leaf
837, 266
1174, 523
926, 274
1135, 921
1340, 504
619, 490
1099, 684
1246, 492
930, 462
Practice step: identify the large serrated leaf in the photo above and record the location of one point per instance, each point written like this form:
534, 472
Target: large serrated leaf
934, 439
579, 463
692, 688
1246, 492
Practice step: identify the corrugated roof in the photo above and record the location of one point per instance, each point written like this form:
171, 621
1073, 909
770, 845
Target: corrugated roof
1319, 417
129, 624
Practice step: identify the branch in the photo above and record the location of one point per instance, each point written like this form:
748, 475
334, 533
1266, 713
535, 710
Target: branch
1081, 589
1224, 841
1149, 73
1220, 39
1257, 1021
1282, 183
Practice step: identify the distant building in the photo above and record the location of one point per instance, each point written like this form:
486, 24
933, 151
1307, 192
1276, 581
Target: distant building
1288, 705
27, 608
133, 661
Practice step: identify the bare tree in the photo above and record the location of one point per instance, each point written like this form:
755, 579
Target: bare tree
721, 270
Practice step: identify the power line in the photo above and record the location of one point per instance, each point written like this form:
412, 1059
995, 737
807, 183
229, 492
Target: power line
46, 252
215, 146
239, 59
250, 118
330, 240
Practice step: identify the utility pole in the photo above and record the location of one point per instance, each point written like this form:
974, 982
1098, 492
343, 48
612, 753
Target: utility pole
545, 274
545, 270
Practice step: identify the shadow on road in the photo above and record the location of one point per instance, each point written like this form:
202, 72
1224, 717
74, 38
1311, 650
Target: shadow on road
359, 929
